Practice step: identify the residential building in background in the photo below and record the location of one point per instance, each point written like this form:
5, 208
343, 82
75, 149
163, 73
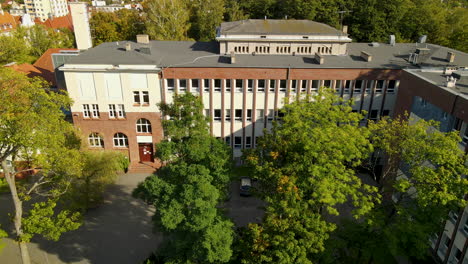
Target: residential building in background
45, 9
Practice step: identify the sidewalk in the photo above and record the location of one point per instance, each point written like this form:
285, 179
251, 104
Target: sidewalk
119, 231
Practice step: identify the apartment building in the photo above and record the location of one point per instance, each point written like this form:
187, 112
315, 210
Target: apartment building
45, 9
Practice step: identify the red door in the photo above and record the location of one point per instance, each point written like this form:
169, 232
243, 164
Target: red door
146, 152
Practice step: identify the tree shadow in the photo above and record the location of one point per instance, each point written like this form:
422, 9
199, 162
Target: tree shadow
119, 231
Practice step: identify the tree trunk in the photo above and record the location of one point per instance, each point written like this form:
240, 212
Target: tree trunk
10, 178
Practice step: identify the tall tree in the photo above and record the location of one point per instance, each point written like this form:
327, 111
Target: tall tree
207, 15
306, 166
167, 19
129, 24
33, 134
187, 190
104, 27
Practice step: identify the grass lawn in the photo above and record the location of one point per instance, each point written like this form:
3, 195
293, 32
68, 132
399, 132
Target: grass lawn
4, 186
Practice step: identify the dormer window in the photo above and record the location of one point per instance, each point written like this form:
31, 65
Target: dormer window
305, 37
262, 36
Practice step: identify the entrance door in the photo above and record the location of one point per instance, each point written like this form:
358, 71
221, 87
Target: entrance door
146, 152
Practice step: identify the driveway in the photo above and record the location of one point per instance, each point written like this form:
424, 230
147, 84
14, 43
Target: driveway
119, 231
243, 210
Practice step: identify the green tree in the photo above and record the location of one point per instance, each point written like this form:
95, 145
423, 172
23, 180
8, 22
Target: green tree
100, 168
13, 49
167, 19
129, 24
233, 11
206, 16
33, 130
103, 27
187, 190
307, 167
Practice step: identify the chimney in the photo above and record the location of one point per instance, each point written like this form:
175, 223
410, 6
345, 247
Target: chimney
143, 39
366, 56
128, 46
80, 20
233, 58
345, 29
450, 56
319, 58
422, 39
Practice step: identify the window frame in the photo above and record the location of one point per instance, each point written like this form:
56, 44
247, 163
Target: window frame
95, 140
118, 140
143, 125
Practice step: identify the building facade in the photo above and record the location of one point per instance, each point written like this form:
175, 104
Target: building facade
45, 9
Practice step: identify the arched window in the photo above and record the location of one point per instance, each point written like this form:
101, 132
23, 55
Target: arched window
95, 140
120, 140
143, 126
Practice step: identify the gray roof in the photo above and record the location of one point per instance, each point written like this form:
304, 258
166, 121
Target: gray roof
439, 79
206, 54
278, 27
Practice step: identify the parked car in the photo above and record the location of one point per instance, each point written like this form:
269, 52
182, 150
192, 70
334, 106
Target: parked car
245, 186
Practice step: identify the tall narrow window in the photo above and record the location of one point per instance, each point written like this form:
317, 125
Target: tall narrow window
272, 85
112, 111
182, 85
228, 85
217, 114
145, 96
238, 114
143, 126
120, 140
380, 86
237, 142
391, 86
227, 117
261, 85
338, 87
239, 85
315, 85
228, 141
195, 85
369, 86
217, 85
206, 85
347, 87
95, 111
250, 85
271, 115
120, 111
374, 114
95, 140
303, 86
327, 83
249, 115
358, 86
260, 115
86, 111
248, 142
282, 87
136, 97
170, 85
293, 86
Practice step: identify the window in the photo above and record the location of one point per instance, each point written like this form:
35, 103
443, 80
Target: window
249, 114
327, 83
206, 85
227, 117
271, 115
391, 86
303, 86
238, 114
293, 86
279, 115
256, 141
237, 142
249, 85
369, 86
282, 87
338, 87
112, 111
423, 102
120, 111
385, 112
358, 86
457, 255
217, 85
145, 96
182, 85
136, 97
95, 140
315, 85
228, 85
260, 115
272, 85
374, 114
143, 126
465, 227
120, 140
228, 141
86, 111
195, 85
248, 142
379, 87
465, 136
261, 85
347, 86
207, 113
453, 216
217, 114
170, 85
95, 111
239, 85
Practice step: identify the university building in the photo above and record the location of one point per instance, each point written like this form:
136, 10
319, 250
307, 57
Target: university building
244, 77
